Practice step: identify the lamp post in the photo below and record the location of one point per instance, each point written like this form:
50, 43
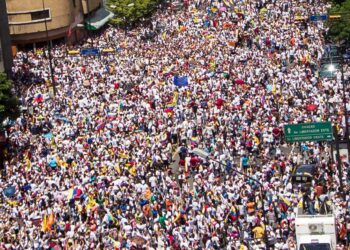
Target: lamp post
49, 51
125, 26
339, 164
346, 136
202, 154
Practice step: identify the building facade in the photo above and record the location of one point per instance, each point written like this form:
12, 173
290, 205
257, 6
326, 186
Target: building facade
5, 41
35, 21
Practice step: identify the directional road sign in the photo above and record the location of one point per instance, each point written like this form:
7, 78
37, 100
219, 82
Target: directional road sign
90, 51
319, 131
318, 18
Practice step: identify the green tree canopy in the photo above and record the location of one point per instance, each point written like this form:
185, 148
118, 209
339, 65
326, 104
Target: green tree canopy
339, 29
131, 11
8, 101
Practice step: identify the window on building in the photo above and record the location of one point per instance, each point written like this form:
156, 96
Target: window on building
41, 14
74, 4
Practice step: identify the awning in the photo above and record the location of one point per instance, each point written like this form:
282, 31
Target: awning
100, 18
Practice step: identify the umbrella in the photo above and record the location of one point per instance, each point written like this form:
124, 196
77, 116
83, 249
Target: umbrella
219, 102
48, 136
239, 81
10, 191
138, 240
311, 107
86, 83
276, 131
36, 221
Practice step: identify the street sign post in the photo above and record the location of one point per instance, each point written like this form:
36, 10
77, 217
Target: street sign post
90, 52
317, 18
319, 131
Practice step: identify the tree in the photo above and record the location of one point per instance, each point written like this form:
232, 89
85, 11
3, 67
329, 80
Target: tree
339, 25
9, 104
131, 11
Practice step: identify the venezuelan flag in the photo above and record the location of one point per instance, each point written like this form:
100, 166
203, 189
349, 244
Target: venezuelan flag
100, 126
70, 194
194, 139
234, 213
39, 98
283, 203
169, 70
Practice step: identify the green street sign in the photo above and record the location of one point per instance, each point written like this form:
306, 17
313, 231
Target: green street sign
318, 131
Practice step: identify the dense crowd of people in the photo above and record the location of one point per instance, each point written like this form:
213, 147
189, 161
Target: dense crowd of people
109, 161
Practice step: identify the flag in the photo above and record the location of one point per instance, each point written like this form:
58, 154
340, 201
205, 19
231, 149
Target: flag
117, 168
132, 170
300, 204
39, 98
169, 110
164, 35
234, 213
274, 88
116, 244
173, 103
196, 20
91, 203
317, 204
110, 217
256, 140
181, 81
76, 193
168, 71
28, 162
263, 100
50, 221
283, 203
44, 224
100, 126
212, 65
123, 156
119, 108
11, 202
182, 29
70, 194
228, 3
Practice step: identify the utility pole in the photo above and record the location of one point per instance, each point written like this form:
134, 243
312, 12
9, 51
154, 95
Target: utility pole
339, 163
53, 83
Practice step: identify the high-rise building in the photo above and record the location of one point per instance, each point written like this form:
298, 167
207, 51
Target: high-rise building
32, 22
5, 41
